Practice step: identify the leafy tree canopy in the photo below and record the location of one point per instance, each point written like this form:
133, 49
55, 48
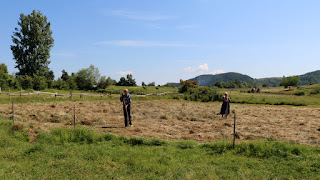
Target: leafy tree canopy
32, 44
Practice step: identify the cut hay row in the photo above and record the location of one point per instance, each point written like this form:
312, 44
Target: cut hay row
176, 120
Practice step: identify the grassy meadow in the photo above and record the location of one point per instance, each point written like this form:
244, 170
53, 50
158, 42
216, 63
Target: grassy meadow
171, 139
84, 154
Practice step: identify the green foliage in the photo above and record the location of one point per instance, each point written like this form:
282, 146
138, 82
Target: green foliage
130, 80
211, 80
86, 78
127, 82
152, 84
218, 84
25, 81
105, 82
299, 93
143, 84
64, 75
4, 76
186, 85
310, 78
61, 85
32, 45
315, 90
39, 82
203, 94
289, 81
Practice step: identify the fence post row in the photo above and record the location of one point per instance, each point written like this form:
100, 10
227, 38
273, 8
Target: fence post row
74, 117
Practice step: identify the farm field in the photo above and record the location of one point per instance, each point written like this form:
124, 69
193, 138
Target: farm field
176, 120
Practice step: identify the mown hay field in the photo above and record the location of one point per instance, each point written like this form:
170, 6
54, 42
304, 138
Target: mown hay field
176, 120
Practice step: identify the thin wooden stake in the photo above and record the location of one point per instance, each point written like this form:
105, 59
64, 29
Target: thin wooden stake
74, 117
234, 130
12, 113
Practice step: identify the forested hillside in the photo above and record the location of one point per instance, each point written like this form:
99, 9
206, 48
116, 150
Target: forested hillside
211, 80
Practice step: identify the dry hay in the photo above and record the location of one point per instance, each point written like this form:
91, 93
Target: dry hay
178, 120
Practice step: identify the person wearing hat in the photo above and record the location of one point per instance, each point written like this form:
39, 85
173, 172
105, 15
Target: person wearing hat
126, 101
225, 107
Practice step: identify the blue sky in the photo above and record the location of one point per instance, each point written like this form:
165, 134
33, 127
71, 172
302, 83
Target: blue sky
168, 40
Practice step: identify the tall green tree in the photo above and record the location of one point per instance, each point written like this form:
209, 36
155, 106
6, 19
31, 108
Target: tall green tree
64, 75
86, 78
32, 44
290, 81
187, 84
131, 81
127, 82
3, 76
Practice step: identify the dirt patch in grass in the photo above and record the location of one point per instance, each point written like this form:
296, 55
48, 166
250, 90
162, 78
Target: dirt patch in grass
176, 120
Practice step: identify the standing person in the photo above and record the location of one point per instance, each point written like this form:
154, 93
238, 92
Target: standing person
225, 107
126, 101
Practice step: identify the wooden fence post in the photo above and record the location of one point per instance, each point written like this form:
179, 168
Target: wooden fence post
74, 117
9, 94
100, 96
234, 130
12, 113
70, 94
55, 96
20, 93
29, 95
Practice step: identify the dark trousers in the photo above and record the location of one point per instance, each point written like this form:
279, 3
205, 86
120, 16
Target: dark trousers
126, 113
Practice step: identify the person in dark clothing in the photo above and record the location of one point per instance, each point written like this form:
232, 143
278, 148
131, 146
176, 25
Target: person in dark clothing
225, 107
126, 101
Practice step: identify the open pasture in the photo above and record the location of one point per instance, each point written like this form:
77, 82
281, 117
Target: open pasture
176, 120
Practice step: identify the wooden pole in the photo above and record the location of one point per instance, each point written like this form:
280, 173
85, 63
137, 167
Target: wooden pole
100, 96
234, 130
70, 94
74, 117
20, 93
12, 113
55, 96
29, 95
9, 94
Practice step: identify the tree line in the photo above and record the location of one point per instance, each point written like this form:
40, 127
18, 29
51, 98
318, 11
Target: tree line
32, 42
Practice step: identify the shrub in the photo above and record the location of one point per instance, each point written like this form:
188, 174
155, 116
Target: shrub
315, 90
204, 94
186, 85
299, 93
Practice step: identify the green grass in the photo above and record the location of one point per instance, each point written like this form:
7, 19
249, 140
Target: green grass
302, 96
83, 154
115, 90
277, 96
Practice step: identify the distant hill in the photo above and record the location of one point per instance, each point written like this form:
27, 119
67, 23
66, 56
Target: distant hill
310, 77
210, 80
